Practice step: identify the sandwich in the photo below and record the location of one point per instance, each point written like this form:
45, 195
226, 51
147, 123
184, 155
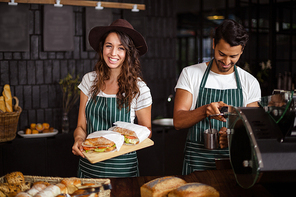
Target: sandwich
99, 144
130, 137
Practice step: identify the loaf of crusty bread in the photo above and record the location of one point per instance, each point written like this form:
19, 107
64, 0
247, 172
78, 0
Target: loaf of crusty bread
8, 98
2, 104
161, 186
71, 184
49, 191
23, 194
15, 178
63, 188
36, 188
194, 190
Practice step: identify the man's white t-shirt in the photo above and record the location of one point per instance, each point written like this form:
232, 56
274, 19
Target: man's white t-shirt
191, 77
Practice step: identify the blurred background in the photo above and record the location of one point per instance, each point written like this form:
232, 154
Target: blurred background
178, 33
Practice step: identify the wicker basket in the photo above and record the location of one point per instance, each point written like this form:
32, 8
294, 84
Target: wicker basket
55, 180
9, 122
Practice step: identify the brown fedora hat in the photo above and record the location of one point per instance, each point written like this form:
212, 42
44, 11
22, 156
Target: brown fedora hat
122, 25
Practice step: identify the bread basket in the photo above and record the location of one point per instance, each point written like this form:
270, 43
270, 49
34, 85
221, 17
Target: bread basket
9, 122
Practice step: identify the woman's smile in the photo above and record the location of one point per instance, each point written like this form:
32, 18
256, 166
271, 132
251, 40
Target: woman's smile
113, 51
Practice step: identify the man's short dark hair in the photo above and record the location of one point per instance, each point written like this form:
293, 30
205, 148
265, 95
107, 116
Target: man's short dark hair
232, 32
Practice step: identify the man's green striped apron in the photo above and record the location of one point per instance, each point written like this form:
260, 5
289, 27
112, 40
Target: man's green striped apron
197, 157
101, 115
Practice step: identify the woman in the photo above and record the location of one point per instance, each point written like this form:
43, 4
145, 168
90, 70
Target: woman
114, 91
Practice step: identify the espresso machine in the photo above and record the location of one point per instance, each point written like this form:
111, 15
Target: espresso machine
262, 143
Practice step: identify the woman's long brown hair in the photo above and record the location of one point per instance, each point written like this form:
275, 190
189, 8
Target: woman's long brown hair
128, 77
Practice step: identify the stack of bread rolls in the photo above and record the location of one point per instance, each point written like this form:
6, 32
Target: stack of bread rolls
6, 100
39, 128
14, 185
171, 186
44, 189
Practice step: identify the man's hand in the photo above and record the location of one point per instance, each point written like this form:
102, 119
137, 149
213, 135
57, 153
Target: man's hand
214, 108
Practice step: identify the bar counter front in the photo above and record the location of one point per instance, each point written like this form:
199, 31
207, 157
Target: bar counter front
222, 180
52, 156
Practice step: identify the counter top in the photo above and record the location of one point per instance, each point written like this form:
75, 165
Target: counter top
222, 180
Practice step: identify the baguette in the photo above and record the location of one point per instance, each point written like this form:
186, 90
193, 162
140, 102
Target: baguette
8, 98
2, 104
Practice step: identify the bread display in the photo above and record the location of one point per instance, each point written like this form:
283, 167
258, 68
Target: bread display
161, 186
194, 190
50, 186
14, 183
39, 128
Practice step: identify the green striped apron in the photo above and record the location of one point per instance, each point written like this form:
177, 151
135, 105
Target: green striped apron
101, 115
197, 157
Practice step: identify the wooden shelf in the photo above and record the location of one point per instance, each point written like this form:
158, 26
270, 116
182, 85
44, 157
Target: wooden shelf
83, 3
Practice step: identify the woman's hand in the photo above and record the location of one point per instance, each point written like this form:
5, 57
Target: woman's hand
223, 138
77, 147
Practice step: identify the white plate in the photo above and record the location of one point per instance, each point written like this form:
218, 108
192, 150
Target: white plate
21, 133
164, 122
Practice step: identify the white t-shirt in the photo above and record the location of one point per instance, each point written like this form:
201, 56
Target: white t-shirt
139, 102
191, 77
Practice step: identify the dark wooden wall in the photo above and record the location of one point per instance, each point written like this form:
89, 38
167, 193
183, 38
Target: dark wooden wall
34, 75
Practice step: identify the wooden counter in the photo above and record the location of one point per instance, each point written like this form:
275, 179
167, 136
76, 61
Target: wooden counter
223, 180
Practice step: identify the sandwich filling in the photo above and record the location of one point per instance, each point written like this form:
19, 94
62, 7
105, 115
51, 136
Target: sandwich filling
131, 139
99, 144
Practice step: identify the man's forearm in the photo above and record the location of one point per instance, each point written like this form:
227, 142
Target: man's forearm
185, 119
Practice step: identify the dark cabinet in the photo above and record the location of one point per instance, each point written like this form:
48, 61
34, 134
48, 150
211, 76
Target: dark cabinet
51, 156
165, 157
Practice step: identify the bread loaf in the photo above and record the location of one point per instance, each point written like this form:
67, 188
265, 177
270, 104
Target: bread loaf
2, 104
63, 188
194, 190
36, 188
83, 193
8, 98
161, 186
7, 188
15, 178
71, 184
23, 194
42, 182
49, 191
2, 194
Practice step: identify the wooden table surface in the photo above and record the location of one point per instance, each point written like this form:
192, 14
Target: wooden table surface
222, 180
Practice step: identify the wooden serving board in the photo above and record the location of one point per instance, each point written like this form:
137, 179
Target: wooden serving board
94, 157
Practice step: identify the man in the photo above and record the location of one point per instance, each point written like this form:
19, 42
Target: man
204, 88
